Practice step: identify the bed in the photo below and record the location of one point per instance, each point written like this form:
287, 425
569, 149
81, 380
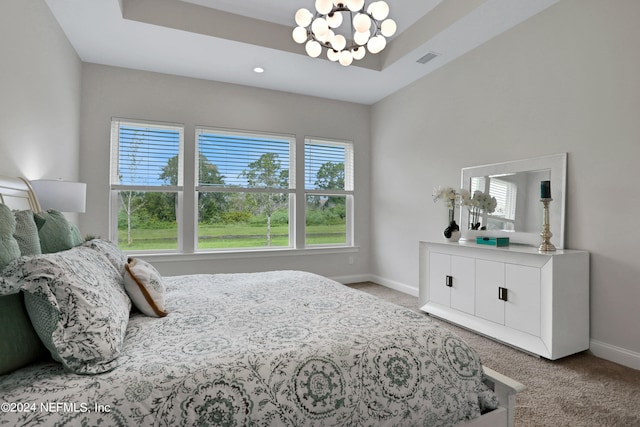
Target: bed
280, 348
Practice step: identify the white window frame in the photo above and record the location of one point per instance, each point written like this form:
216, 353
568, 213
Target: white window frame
348, 192
291, 190
116, 186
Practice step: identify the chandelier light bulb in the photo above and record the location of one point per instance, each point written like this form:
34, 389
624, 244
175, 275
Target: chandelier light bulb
334, 19
324, 6
358, 53
303, 17
345, 58
313, 48
376, 44
299, 35
361, 23
361, 38
355, 5
380, 10
332, 55
388, 27
339, 42
320, 27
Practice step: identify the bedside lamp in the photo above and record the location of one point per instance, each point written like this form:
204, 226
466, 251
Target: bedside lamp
64, 196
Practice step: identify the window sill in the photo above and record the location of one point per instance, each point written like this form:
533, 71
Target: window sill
244, 254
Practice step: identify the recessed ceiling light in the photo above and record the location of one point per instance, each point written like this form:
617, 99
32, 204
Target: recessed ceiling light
258, 70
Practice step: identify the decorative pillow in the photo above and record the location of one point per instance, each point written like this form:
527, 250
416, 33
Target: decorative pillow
26, 233
109, 249
77, 305
19, 344
9, 249
55, 231
145, 287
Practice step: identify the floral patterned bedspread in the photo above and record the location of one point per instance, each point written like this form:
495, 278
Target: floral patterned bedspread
266, 349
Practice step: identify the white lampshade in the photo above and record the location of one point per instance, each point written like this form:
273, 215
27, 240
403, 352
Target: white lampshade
324, 6
332, 55
388, 27
345, 58
64, 196
303, 17
355, 5
313, 48
299, 34
361, 22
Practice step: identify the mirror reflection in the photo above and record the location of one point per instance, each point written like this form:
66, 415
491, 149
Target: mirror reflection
516, 188
517, 200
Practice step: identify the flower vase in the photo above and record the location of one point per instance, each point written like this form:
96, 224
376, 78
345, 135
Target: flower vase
452, 232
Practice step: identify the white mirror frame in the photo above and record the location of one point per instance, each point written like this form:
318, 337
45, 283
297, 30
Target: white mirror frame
557, 164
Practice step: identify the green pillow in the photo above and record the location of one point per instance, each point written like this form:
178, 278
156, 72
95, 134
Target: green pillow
55, 231
19, 343
9, 249
26, 233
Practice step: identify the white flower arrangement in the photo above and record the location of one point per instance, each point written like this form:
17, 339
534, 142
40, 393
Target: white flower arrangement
479, 203
452, 198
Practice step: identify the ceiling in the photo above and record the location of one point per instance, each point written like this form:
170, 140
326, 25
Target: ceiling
224, 40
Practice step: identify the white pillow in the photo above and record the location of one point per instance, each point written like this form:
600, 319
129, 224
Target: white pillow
145, 287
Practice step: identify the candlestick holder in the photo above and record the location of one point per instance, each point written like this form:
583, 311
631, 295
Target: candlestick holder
546, 245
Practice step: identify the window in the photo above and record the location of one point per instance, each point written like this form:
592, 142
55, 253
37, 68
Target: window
239, 187
328, 183
146, 185
245, 189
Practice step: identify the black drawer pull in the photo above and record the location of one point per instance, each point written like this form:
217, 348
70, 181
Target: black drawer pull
449, 281
502, 294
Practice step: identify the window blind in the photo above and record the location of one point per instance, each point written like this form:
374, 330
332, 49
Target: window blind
146, 155
236, 155
334, 162
505, 194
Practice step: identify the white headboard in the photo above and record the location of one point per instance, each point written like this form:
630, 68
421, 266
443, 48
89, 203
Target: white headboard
18, 194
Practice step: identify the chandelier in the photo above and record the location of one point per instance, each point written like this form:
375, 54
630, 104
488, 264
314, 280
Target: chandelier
369, 27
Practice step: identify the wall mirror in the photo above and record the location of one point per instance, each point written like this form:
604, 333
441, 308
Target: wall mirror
516, 187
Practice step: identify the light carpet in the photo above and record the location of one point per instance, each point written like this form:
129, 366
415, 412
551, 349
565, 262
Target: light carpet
576, 391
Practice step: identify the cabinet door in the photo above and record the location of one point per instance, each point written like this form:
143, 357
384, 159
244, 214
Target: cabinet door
522, 310
463, 289
489, 278
439, 269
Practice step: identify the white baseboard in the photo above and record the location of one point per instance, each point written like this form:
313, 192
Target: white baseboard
615, 354
354, 278
397, 286
401, 287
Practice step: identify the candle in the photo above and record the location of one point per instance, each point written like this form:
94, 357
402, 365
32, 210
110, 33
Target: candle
545, 189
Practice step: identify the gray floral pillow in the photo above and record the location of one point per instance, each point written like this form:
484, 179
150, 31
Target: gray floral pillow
111, 251
77, 305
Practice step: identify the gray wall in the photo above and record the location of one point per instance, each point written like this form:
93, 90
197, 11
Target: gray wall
564, 81
116, 92
39, 94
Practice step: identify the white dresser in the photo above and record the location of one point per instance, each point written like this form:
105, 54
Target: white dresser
538, 302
